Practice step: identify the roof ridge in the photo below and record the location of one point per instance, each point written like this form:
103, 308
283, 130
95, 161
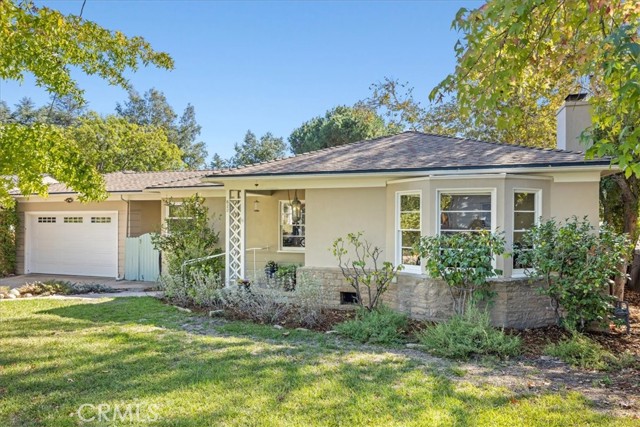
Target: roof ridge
505, 144
308, 153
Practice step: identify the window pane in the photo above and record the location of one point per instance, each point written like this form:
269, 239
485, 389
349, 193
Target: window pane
524, 202
524, 220
461, 202
175, 211
465, 221
410, 221
292, 234
292, 242
410, 238
409, 257
410, 202
518, 247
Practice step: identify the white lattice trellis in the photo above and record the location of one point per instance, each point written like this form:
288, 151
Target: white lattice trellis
235, 235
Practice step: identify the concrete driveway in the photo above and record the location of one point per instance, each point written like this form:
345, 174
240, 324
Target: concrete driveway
122, 285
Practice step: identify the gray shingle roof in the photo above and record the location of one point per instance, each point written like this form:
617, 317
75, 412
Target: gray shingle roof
413, 151
122, 182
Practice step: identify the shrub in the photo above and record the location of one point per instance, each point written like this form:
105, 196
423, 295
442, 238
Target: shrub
8, 225
59, 287
365, 274
464, 261
262, 305
286, 276
469, 334
577, 265
580, 351
195, 287
381, 325
306, 302
186, 235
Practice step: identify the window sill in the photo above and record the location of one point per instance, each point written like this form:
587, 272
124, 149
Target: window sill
290, 251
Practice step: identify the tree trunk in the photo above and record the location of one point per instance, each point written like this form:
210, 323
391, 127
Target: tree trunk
629, 194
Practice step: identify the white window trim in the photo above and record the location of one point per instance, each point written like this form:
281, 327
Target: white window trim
283, 249
414, 269
520, 272
472, 192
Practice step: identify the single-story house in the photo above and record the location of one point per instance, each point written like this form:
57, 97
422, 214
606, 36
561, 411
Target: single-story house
449, 184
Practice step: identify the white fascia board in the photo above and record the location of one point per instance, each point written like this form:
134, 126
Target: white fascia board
112, 197
380, 179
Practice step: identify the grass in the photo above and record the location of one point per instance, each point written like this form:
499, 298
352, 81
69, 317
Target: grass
56, 355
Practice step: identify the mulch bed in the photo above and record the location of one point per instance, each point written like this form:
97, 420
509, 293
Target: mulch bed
615, 340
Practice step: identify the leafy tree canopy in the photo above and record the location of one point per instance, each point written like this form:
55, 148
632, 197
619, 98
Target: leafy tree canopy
42, 42
113, 144
340, 125
152, 108
395, 101
252, 150
547, 49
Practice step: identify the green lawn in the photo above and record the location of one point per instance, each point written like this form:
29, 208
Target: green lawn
56, 355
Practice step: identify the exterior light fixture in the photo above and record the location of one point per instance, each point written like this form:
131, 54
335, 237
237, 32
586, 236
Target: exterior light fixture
256, 206
296, 208
69, 200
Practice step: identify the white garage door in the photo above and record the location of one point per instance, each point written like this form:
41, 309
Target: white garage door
75, 243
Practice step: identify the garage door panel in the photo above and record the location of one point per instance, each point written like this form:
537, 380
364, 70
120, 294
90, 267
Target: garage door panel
75, 243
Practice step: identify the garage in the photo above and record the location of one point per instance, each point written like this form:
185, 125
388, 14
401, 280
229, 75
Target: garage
73, 243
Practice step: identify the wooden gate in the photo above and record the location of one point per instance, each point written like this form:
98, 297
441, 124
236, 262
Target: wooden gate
142, 260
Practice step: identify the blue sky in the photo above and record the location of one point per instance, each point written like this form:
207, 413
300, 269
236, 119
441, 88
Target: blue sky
269, 66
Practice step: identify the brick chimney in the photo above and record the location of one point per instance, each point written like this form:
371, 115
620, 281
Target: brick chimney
572, 118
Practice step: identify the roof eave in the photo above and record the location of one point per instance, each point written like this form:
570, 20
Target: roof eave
600, 165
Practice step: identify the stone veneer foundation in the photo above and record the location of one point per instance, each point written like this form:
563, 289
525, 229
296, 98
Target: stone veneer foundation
517, 303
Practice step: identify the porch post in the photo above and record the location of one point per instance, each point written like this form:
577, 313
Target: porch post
234, 265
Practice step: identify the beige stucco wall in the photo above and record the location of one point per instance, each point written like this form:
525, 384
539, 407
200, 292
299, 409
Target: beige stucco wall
144, 217
575, 198
119, 206
262, 231
333, 213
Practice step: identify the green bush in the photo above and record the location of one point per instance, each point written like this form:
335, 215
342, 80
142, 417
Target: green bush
576, 264
469, 334
381, 325
8, 225
187, 235
465, 262
580, 351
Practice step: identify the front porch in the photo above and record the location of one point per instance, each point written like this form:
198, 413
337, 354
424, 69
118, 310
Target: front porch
262, 229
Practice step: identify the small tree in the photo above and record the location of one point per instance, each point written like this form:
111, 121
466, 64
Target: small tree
187, 235
577, 265
8, 225
464, 261
366, 273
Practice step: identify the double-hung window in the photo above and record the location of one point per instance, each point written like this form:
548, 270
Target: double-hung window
408, 230
292, 232
177, 216
465, 211
526, 213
